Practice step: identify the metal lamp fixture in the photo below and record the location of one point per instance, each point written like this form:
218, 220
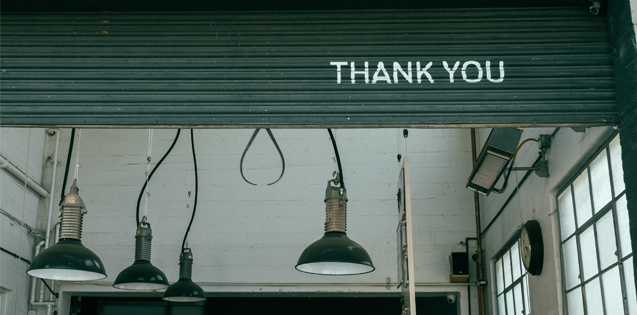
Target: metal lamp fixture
500, 149
335, 253
69, 260
494, 158
142, 275
184, 290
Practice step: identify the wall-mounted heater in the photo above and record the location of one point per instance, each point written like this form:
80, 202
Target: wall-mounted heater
494, 158
501, 149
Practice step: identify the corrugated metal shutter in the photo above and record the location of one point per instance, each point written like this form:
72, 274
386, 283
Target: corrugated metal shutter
233, 69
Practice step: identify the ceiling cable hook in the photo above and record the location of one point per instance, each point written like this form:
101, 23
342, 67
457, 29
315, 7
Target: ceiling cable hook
276, 145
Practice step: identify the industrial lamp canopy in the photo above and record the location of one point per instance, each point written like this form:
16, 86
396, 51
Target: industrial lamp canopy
335, 253
69, 260
142, 275
184, 290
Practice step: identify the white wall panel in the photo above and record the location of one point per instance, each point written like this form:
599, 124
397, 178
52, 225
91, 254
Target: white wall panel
14, 146
247, 234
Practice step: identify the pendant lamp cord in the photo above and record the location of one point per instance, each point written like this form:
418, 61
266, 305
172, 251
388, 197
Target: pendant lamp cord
141, 193
194, 207
68, 164
338, 159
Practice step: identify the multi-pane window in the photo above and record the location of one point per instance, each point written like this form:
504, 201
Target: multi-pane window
597, 258
512, 282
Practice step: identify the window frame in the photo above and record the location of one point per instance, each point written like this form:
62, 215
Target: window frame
610, 206
520, 280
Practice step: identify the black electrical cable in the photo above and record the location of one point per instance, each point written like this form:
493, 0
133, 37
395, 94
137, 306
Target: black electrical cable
68, 164
151, 175
194, 208
15, 255
338, 159
506, 181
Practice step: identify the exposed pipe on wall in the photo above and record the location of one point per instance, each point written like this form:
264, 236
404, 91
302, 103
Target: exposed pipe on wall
40, 302
47, 241
466, 248
52, 132
32, 300
5, 164
481, 300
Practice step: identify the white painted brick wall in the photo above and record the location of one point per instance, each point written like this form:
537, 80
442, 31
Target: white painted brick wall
534, 202
254, 234
13, 147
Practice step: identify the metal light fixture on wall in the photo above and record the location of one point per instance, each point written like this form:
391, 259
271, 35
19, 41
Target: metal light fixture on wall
335, 253
142, 275
500, 149
493, 159
68, 259
185, 290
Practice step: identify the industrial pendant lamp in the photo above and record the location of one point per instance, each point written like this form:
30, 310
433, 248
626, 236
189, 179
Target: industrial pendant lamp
68, 259
142, 275
335, 253
184, 290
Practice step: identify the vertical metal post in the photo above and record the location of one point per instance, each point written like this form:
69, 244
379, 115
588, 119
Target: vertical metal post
481, 304
622, 37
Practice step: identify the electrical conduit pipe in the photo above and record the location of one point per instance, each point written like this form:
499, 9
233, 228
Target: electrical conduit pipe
46, 242
4, 163
32, 301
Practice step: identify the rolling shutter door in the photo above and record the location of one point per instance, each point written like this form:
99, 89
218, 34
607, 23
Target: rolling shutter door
546, 67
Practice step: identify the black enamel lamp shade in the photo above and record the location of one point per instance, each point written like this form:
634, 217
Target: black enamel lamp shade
335, 254
141, 275
184, 290
68, 260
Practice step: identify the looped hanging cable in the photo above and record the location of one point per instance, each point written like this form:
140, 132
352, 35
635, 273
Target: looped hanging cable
276, 145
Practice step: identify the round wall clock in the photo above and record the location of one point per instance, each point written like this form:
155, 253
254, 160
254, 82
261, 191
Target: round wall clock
532, 247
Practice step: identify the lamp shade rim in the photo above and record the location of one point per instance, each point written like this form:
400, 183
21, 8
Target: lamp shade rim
335, 254
184, 299
65, 274
184, 290
141, 275
361, 270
